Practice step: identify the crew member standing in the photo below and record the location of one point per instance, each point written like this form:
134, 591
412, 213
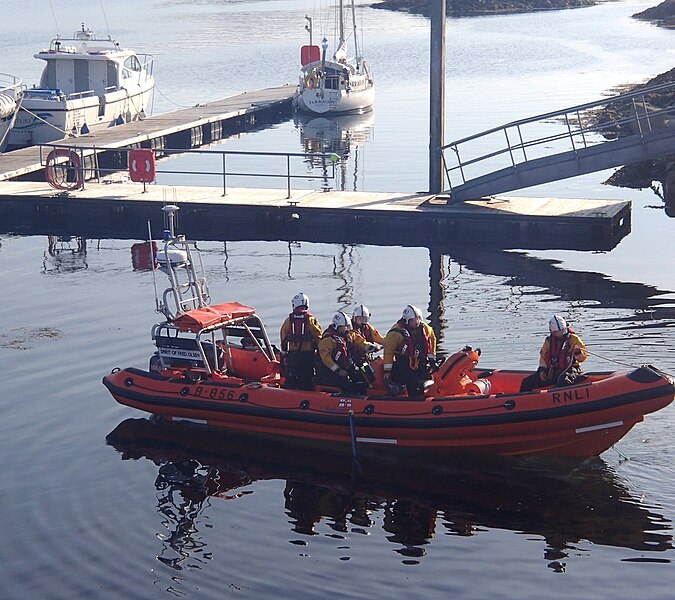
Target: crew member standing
300, 335
409, 347
559, 358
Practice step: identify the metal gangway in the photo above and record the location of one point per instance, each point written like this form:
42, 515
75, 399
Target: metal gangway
591, 137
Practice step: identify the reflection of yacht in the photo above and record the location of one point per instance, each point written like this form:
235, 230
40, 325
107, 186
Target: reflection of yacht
338, 85
341, 135
562, 501
338, 133
86, 84
11, 91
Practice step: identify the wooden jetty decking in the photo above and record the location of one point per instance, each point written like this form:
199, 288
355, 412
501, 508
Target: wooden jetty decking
123, 209
185, 128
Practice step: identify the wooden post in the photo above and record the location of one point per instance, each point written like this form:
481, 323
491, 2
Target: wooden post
436, 95
436, 293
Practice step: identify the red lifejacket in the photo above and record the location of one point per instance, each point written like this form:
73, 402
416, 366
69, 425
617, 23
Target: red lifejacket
416, 343
340, 354
299, 330
559, 351
365, 330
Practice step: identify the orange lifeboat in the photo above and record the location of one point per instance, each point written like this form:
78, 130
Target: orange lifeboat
215, 365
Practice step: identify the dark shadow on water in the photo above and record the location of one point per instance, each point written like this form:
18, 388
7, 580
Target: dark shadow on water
407, 499
546, 274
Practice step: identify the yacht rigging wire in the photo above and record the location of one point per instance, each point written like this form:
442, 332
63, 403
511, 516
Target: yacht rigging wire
105, 18
58, 30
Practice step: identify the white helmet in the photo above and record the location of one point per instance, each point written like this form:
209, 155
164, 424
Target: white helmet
361, 311
340, 320
411, 312
557, 325
299, 300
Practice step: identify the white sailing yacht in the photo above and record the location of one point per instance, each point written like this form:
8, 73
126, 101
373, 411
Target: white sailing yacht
11, 91
86, 84
342, 84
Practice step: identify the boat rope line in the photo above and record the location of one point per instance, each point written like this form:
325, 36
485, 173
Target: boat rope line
618, 362
613, 360
39, 118
622, 456
172, 102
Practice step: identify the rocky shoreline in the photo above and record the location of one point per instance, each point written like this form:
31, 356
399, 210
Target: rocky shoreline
644, 174
474, 8
662, 15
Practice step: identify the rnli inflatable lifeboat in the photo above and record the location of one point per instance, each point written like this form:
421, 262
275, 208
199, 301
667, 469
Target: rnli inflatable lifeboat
215, 365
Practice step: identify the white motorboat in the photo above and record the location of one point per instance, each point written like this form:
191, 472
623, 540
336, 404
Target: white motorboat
86, 84
339, 85
11, 91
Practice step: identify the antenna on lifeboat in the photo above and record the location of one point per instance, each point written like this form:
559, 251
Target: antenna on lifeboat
170, 211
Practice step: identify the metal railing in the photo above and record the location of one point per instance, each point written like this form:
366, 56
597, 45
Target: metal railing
574, 128
91, 162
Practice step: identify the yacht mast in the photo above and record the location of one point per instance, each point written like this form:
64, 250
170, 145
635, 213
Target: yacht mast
341, 23
356, 39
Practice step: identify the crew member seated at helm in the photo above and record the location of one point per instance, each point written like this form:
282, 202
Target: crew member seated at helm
337, 350
559, 358
409, 347
300, 335
362, 326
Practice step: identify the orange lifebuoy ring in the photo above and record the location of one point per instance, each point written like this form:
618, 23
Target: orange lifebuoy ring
142, 165
63, 169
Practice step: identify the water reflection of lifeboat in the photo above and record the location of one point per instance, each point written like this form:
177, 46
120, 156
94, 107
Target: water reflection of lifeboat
561, 500
215, 364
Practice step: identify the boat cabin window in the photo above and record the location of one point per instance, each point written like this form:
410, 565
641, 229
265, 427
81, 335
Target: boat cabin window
132, 64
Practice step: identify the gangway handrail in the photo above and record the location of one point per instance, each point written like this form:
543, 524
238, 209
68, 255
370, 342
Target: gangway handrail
564, 111
641, 115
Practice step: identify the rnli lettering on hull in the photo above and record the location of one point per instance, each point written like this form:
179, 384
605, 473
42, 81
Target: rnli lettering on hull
565, 396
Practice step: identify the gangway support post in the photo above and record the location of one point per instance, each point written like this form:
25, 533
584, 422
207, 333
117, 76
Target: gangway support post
437, 95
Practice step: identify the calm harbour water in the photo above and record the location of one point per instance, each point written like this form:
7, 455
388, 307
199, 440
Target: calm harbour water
96, 506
